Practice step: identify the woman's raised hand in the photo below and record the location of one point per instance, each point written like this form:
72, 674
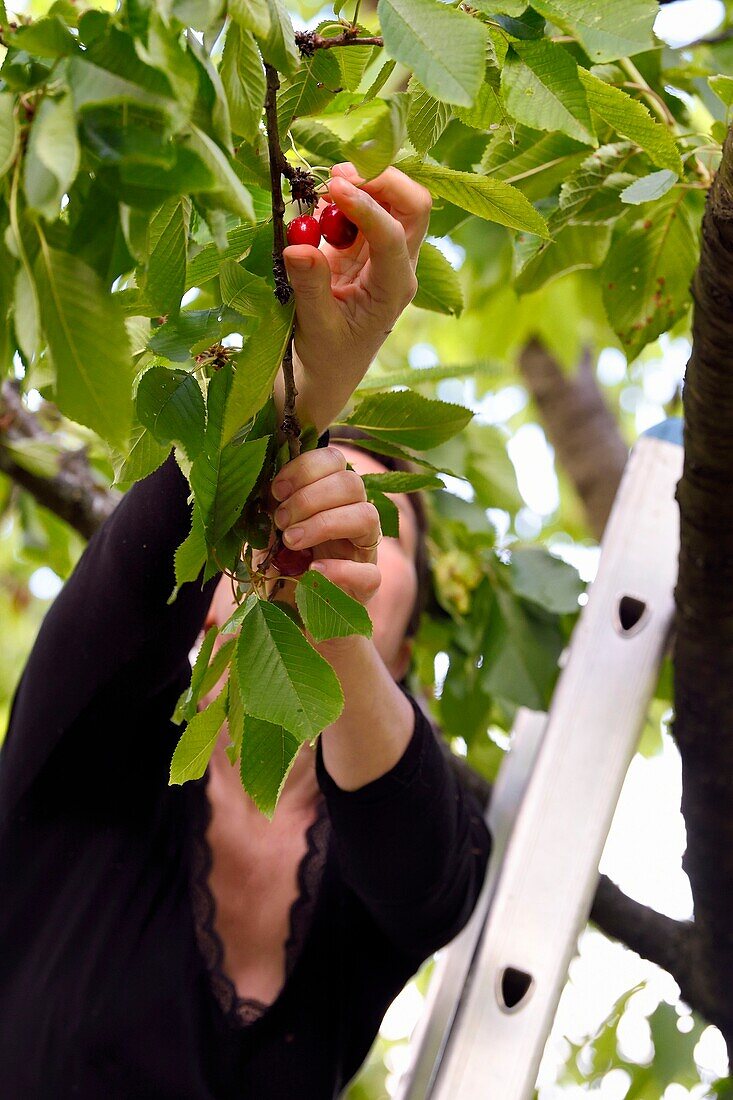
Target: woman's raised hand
348, 300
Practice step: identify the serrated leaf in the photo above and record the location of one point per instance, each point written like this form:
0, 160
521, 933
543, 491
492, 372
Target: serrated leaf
191, 554
318, 140
426, 375
408, 418
92, 86
251, 15
170, 404
278, 45
198, 741
241, 290
491, 199
445, 48
45, 37
723, 87
646, 276
606, 31
244, 81
489, 109
229, 192
400, 481
490, 470
383, 447
189, 697
194, 330
282, 678
222, 481
648, 188
144, 455
540, 86
257, 366
574, 248
309, 89
165, 280
427, 117
235, 718
520, 653
376, 144
534, 162
328, 612
267, 754
52, 159
632, 119
205, 264
439, 288
9, 132
88, 343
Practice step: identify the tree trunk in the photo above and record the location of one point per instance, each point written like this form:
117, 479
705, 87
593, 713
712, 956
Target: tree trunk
703, 649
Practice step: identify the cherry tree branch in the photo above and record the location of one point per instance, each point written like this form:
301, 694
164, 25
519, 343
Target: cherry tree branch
308, 41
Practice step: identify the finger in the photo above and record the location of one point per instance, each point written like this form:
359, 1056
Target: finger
309, 272
306, 468
332, 491
359, 579
357, 522
408, 201
392, 275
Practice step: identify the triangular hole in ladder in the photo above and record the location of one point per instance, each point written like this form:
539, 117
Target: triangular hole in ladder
514, 986
630, 610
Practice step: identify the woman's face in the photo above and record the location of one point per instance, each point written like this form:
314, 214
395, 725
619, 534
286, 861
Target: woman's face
391, 607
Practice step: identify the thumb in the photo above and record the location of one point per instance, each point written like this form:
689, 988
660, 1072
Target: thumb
309, 273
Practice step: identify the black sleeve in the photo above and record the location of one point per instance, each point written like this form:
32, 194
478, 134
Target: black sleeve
413, 845
110, 643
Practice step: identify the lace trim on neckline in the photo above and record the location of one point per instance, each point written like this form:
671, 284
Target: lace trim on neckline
244, 1011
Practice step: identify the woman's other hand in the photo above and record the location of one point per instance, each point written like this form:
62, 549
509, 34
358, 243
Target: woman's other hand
348, 300
322, 507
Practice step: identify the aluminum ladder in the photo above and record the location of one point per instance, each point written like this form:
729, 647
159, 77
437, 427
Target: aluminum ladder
495, 989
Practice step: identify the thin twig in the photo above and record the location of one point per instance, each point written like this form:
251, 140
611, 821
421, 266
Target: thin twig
308, 41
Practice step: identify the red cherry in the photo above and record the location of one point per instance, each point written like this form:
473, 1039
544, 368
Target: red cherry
291, 563
304, 230
336, 227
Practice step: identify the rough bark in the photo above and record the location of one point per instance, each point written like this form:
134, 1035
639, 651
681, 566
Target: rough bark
703, 649
73, 493
580, 427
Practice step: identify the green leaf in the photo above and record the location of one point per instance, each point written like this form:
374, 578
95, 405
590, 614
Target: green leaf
646, 276
427, 117
649, 188
318, 140
165, 281
144, 454
408, 418
490, 470
267, 754
539, 576
244, 81
194, 330
188, 699
520, 653
389, 514
251, 15
540, 86
309, 90
376, 144
328, 612
235, 719
400, 481
257, 365
9, 132
222, 481
92, 86
52, 160
574, 248
282, 678
46, 37
86, 337
228, 192
632, 119
170, 404
353, 61
278, 45
383, 447
241, 290
723, 87
489, 110
491, 199
445, 48
534, 162
197, 742
205, 264
606, 31
191, 554
439, 288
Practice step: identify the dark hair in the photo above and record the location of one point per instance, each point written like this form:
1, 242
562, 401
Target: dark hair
353, 436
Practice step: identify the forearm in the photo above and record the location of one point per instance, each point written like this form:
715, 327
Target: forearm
377, 721
322, 393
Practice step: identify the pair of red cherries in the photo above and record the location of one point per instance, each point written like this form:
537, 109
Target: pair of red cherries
333, 226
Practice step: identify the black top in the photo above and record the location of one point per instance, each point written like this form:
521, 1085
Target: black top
111, 986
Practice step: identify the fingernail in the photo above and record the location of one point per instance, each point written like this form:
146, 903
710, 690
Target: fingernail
293, 536
281, 490
316, 565
300, 262
282, 517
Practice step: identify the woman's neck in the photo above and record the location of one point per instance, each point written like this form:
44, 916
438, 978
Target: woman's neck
300, 792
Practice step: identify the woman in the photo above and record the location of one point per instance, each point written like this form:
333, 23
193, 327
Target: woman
169, 942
